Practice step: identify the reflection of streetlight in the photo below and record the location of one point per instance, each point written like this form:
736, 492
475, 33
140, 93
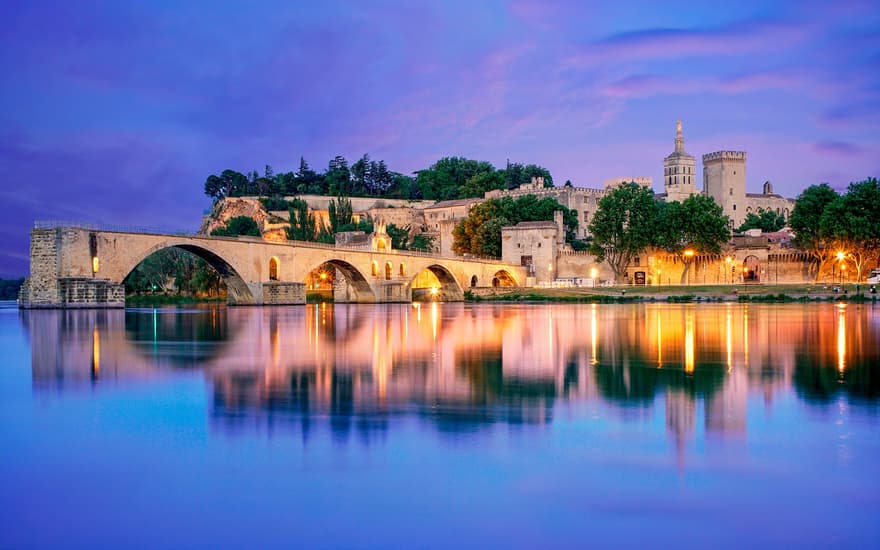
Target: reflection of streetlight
689, 253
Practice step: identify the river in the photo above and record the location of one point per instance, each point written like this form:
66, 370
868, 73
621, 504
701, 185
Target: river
438, 425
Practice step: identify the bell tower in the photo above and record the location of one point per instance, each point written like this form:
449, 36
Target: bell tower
679, 170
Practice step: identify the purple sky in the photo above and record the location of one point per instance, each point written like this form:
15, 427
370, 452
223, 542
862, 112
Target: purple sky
116, 113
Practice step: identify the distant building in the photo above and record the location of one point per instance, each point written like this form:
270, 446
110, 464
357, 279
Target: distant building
641, 180
679, 171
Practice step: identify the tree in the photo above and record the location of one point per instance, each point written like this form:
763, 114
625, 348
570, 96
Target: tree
399, 236
238, 225
516, 174
697, 224
303, 226
479, 183
805, 221
338, 176
480, 232
623, 226
444, 179
340, 213
852, 222
767, 221
228, 184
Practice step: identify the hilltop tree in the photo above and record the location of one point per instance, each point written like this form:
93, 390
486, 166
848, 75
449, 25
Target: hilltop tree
623, 226
805, 221
444, 179
340, 213
698, 224
238, 225
228, 184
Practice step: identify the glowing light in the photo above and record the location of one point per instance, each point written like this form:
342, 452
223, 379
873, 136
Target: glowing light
323, 276
841, 338
840, 255
434, 319
594, 334
689, 253
434, 291
659, 339
96, 352
95, 264
594, 272
689, 341
729, 339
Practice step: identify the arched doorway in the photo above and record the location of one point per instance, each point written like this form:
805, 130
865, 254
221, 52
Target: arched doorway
473, 281
273, 268
389, 269
751, 270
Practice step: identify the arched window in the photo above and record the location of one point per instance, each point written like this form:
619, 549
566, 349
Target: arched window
273, 268
402, 269
473, 281
388, 270
375, 269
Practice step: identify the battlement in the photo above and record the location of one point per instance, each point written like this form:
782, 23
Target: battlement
725, 155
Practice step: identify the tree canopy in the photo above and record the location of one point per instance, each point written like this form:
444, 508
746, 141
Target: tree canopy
695, 224
852, 224
767, 221
238, 225
448, 178
480, 232
624, 226
806, 222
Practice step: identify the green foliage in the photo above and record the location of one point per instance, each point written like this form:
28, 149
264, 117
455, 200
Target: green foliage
852, 223
173, 269
274, 203
422, 242
624, 226
448, 178
767, 221
9, 288
805, 221
340, 213
480, 232
303, 226
238, 225
698, 223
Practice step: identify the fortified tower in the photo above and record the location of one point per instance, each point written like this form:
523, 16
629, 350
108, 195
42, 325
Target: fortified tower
724, 179
679, 171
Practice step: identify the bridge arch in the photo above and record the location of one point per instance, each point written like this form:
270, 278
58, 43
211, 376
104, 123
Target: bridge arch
450, 290
503, 278
237, 289
357, 284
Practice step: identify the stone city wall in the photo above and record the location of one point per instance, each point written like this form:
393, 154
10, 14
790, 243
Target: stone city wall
282, 293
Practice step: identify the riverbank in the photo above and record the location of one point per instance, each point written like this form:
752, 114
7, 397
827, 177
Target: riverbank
677, 293
145, 300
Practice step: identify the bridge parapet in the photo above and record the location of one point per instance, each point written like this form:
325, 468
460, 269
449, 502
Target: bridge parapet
76, 266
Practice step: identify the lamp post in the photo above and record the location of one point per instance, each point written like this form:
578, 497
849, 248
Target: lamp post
689, 253
840, 256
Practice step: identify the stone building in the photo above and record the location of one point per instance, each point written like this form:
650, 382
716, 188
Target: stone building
724, 179
679, 171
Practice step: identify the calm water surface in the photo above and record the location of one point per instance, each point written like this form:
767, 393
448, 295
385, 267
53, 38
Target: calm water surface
691, 425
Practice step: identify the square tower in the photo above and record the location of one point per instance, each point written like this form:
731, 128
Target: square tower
724, 179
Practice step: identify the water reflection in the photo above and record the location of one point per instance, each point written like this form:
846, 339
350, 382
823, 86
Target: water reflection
460, 366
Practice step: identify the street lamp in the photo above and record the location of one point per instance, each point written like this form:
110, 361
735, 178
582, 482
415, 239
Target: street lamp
689, 253
842, 273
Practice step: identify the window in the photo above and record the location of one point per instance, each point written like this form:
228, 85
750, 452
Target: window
388, 270
734, 208
273, 268
473, 281
731, 191
636, 261
375, 269
402, 270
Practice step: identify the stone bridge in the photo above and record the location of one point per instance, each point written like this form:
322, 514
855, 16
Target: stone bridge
81, 267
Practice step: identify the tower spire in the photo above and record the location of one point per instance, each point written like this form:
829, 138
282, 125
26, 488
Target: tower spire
679, 140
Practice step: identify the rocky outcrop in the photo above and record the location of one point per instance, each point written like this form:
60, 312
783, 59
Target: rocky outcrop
230, 207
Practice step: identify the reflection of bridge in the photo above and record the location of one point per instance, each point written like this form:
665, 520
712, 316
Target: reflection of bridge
78, 267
